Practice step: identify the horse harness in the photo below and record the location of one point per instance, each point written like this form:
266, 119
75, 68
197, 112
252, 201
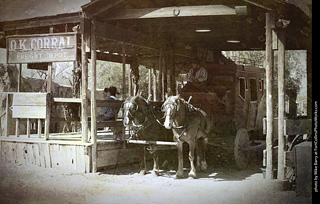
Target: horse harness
191, 110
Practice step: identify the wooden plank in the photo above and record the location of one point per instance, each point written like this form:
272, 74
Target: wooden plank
29, 99
55, 155
80, 159
117, 156
42, 22
66, 100
55, 47
97, 7
36, 153
145, 142
28, 127
174, 11
108, 31
109, 104
29, 112
39, 128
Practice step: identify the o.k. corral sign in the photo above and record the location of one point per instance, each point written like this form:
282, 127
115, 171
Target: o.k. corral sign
55, 47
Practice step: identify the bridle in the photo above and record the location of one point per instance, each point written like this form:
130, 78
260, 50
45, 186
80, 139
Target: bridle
127, 107
173, 113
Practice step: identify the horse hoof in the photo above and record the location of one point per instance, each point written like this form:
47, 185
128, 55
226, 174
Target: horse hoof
142, 172
204, 166
192, 175
179, 175
155, 173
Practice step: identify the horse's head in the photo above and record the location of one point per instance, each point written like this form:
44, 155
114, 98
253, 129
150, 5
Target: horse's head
171, 108
134, 110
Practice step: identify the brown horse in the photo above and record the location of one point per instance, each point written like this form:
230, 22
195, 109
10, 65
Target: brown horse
141, 117
191, 125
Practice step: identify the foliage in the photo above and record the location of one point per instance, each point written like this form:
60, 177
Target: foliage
110, 74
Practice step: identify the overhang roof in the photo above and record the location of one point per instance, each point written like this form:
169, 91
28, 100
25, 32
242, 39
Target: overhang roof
233, 24
144, 27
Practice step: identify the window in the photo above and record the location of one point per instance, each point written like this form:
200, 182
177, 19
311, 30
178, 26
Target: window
242, 88
253, 89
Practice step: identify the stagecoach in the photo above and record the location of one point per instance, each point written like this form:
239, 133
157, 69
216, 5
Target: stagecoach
234, 99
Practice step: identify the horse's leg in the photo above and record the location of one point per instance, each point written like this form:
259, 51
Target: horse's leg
155, 170
192, 172
143, 164
180, 160
199, 153
204, 165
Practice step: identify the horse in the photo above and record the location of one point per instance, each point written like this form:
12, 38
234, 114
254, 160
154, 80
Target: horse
142, 118
190, 125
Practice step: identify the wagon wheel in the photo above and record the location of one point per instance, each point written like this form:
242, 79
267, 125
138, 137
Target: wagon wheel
242, 149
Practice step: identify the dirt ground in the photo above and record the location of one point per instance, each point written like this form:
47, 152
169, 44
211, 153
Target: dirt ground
220, 184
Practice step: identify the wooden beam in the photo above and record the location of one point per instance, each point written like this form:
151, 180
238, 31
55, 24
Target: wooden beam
175, 11
111, 32
281, 104
97, 7
42, 22
269, 86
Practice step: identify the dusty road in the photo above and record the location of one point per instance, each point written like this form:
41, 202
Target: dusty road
19, 184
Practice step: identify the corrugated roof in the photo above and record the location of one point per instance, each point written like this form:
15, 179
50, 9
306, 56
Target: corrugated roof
11, 10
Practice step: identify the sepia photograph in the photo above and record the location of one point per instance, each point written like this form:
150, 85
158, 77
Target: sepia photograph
157, 102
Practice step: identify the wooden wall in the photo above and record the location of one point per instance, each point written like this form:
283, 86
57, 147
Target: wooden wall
73, 158
65, 156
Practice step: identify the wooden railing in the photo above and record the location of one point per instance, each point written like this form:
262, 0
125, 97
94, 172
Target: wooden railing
28, 106
37, 106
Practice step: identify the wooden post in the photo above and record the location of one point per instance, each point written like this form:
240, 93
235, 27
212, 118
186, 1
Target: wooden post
281, 102
154, 75
47, 120
123, 71
93, 97
172, 72
39, 128
6, 129
160, 91
165, 73
149, 82
49, 88
269, 85
129, 83
18, 90
84, 82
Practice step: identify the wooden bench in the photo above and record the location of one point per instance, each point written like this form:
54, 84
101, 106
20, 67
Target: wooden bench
31, 106
100, 103
113, 124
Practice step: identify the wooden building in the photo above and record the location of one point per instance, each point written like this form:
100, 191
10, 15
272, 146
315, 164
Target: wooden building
165, 36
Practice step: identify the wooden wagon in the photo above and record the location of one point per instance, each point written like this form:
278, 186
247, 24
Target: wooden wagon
234, 100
